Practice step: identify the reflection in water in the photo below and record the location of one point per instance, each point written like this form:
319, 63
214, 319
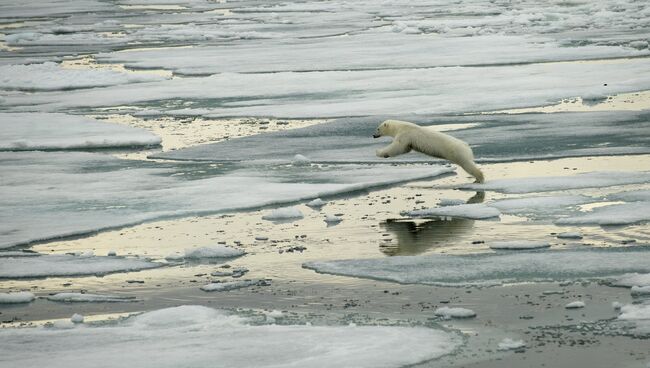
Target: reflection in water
415, 237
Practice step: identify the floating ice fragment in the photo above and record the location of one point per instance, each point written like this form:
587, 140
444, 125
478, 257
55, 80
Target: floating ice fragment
617, 305
231, 285
633, 279
316, 203
331, 219
77, 318
570, 235
616, 214
510, 344
640, 290
16, 297
635, 312
471, 211
519, 244
456, 312
88, 298
286, 213
300, 160
575, 305
215, 251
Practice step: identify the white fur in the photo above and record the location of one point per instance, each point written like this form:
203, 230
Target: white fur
408, 136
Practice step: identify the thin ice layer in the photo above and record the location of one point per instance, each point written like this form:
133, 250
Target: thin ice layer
493, 268
76, 193
195, 336
51, 76
616, 214
492, 137
88, 298
69, 265
362, 93
42, 131
598, 179
469, 211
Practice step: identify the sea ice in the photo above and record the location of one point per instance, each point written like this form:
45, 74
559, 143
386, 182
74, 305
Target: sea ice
535, 204
493, 268
570, 235
316, 203
229, 285
455, 312
41, 131
635, 312
285, 213
215, 251
88, 298
510, 344
331, 219
640, 290
77, 318
598, 179
633, 279
51, 76
197, 336
67, 265
471, 211
575, 305
16, 297
616, 214
519, 244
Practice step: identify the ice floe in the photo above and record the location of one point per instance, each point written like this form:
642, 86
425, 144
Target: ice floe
528, 136
633, 279
469, 211
51, 76
494, 268
616, 214
215, 251
77, 318
77, 193
199, 336
519, 244
575, 304
534, 204
88, 298
569, 235
454, 312
331, 219
286, 213
598, 179
640, 290
635, 312
231, 285
17, 297
510, 344
316, 203
68, 265
40, 131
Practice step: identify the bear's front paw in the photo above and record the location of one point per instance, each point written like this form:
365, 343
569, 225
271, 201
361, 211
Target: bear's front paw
380, 154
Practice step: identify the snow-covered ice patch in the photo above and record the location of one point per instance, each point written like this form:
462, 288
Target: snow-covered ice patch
510, 344
42, 131
575, 305
316, 203
231, 285
215, 251
287, 213
331, 219
598, 179
16, 297
51, 76
196, 336
612, 215
635, 312
570, 235
534, 204
68, 265
77, 318
493, 268
476, 211
640, 290
454, 312
88, 298
633, 279
519, 244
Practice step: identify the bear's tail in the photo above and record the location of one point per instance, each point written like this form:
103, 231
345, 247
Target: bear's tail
473, 170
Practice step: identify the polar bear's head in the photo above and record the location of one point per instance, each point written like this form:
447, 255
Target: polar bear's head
391, 128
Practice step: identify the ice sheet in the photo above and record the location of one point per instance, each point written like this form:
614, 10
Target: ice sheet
76, 193
493, 268
51, 76
597, 179
493, 138
88, 298
197, 336
69, 265
616, 214
17, 297
41, 131
368, 92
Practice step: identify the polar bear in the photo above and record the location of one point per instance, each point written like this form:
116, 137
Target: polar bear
408, 136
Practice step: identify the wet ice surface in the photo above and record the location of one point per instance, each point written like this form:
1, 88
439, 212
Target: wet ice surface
77, 193
491, 269
529, 136
69, 265
199, 336
39, 131
88, 298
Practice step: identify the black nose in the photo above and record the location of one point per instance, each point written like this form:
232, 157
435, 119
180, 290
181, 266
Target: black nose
376, 135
